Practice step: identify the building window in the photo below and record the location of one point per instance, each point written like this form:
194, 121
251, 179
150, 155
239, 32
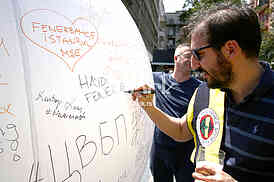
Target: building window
171, 31
171, 43
171, 21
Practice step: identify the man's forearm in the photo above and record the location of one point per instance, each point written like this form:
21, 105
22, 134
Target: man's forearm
173, 127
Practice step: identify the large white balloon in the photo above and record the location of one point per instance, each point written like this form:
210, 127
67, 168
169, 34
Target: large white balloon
63, 114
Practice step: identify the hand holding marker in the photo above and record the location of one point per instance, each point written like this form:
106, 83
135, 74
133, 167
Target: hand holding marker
145, 97
144, 92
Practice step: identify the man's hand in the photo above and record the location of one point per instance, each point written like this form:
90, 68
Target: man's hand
210, 174
145, 100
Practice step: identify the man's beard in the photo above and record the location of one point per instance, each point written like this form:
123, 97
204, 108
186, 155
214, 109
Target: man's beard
223, 76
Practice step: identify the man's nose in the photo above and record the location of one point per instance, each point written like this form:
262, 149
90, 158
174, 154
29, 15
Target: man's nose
195, 64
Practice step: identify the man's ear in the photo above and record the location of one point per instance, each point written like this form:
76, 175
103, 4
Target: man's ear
230, 49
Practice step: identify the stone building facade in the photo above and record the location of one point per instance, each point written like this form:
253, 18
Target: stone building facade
173, 25
146, 15
170, 37
160, 31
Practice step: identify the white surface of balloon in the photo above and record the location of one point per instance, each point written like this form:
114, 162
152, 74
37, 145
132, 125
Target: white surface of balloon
63, 115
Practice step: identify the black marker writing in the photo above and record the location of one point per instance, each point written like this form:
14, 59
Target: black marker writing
35, 174
50, 99
74, 176
122, 118
111, 134
104, 138
52, 165
10, 141
95, 88
59, 108
91, 145
91, 81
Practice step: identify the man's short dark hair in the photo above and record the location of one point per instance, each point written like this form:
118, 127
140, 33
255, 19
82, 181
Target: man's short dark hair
239, 24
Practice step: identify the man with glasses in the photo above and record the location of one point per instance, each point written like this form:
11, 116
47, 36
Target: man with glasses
233, 111
173, 92
195, 52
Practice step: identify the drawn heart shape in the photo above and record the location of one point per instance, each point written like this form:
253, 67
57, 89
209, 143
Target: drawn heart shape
69, 40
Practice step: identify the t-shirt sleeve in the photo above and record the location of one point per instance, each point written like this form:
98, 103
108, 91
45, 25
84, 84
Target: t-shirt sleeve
189, 119
190, 110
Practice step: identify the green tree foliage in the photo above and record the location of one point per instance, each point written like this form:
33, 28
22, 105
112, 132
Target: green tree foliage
192, 9
267, 47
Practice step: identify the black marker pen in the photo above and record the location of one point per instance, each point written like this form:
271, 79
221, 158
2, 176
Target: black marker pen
140, 91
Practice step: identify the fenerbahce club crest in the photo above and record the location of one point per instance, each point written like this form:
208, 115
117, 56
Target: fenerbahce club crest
208, 126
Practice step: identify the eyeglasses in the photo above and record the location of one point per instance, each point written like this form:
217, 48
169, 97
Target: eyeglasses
196, 54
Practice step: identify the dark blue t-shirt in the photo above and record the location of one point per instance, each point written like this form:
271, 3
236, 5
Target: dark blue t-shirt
249, 135
172, 98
